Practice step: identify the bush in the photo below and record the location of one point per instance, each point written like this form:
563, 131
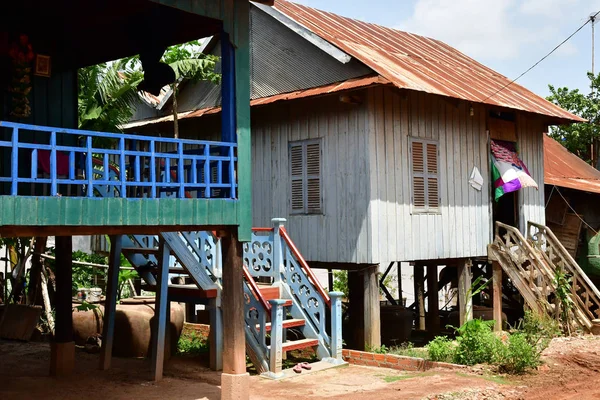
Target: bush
191, 343
477, 343
441, 349
408, 349
539, 330
519, 355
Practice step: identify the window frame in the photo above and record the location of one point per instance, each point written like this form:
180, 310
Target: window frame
305, 177
427, 209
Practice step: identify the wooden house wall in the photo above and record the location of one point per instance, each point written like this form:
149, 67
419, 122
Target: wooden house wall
463, 225
530, 130
340, 234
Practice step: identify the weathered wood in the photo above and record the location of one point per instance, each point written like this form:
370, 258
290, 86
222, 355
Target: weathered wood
399, 272
497, 294
419, 283
232, 306
34, 288
160, 312
433, 306
110, 305
372, 327
63, 297
465, 303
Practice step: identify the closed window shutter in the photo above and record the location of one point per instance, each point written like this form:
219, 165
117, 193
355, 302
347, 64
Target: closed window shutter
297, 177
305, 175
425, 175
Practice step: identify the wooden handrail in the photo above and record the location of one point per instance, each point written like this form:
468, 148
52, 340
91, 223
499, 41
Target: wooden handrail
304, 265
255, 289
262, 229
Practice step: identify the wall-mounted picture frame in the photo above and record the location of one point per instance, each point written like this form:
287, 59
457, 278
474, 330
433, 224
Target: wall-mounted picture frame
42, 65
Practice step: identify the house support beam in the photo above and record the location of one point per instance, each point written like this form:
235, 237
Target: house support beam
160, 311
235, 381
62, 355
465, 302
363, 288
110, 305
419, 282
433, 306
497, 294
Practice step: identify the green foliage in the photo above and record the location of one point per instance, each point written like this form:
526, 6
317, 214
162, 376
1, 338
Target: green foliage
377, 350
477, 343
563, 294
441, 349
192, 343
538, 330
107, 92
518, 355
340, 282
578, 138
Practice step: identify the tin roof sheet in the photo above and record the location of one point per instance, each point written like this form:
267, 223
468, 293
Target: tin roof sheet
419, 63
565, 169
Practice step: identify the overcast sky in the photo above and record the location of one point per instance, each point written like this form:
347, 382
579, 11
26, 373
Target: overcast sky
506, 35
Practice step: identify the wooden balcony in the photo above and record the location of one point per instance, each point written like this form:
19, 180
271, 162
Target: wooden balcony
86, 180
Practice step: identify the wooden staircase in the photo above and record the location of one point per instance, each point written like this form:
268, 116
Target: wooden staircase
531, 264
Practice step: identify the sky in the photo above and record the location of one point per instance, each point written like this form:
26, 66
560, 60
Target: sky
508, 36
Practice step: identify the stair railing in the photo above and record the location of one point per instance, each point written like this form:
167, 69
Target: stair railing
256, 309
533, 274
555, 254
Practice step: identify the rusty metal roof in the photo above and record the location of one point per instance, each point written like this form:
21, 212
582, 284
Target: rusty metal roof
350, 84
565, 169
419, 63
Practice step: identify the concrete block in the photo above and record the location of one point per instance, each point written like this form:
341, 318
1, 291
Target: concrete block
62, 359
235, 386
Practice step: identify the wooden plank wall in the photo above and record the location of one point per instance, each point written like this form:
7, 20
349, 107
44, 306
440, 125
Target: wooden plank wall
530, 137
340, 234
463, 226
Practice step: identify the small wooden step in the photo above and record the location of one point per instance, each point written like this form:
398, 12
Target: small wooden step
139, 250
288, 323
269, 292
299, 344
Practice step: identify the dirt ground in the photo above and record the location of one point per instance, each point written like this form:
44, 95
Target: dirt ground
571, 370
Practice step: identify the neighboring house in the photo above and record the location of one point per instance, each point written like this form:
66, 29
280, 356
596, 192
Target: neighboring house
572, 197
370, 142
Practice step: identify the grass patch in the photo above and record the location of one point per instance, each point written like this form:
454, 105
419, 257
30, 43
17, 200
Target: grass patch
409, 350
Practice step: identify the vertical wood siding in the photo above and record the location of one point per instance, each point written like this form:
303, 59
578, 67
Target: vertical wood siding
463, 225
340, 234
530, 131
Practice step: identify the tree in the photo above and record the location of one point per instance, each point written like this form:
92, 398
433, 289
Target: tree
581, 139
108, 91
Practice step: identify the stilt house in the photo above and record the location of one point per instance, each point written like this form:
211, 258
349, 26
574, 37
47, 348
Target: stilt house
375, 145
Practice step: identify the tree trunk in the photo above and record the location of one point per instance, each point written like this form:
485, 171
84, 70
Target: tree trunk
46, 300
175, 120
34, 287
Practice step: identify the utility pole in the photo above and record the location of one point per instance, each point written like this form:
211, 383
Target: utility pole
593, 20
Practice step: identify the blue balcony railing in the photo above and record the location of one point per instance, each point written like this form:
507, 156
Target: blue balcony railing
91, 164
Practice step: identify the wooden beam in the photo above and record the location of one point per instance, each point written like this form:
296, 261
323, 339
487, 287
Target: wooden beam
433, 306
232, 307
419, 283
372, 327
357, 321
160, 312
399, 272
64, 287
62, 355
110, 305
465, 303
28, 231
497, 294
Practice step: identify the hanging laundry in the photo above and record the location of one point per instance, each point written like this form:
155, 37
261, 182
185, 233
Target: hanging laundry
508, 171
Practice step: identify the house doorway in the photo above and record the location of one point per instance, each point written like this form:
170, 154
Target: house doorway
505, 210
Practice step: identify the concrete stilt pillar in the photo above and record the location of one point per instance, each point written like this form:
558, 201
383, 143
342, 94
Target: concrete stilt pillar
465, 303
372, 322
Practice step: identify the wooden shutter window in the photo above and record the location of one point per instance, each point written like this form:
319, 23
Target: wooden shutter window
425, 176
305, 174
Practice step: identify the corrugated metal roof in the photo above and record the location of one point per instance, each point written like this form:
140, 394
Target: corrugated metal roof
322, 90
419, 63
565, 169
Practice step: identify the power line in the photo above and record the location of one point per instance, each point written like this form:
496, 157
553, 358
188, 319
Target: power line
543, 58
